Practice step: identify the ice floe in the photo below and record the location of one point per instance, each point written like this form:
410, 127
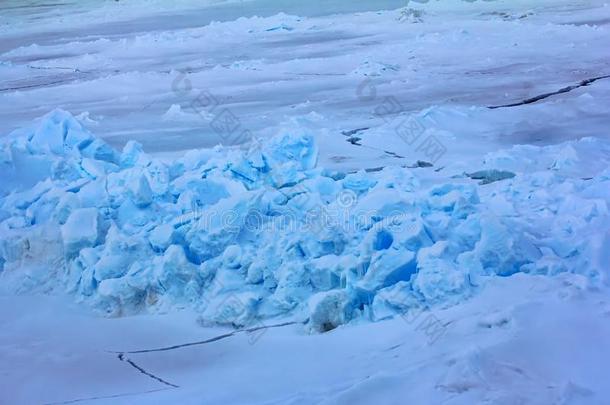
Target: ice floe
246, 235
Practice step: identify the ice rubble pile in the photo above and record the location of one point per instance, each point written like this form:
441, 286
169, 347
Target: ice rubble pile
249, 235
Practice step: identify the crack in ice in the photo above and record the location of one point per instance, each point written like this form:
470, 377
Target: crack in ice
210, 340
128, 394
122, 357
582, 83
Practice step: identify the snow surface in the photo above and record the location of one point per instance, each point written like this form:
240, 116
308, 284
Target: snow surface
524, 340
127, 71
370, 232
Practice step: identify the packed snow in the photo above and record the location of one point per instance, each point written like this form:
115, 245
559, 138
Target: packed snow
524, 339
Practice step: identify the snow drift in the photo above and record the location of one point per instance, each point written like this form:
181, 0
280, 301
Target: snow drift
247, 235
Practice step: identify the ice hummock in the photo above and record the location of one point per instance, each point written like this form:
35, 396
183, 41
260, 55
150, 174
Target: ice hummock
244, 236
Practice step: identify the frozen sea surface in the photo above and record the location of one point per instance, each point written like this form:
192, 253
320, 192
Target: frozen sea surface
140, 72
528, 340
